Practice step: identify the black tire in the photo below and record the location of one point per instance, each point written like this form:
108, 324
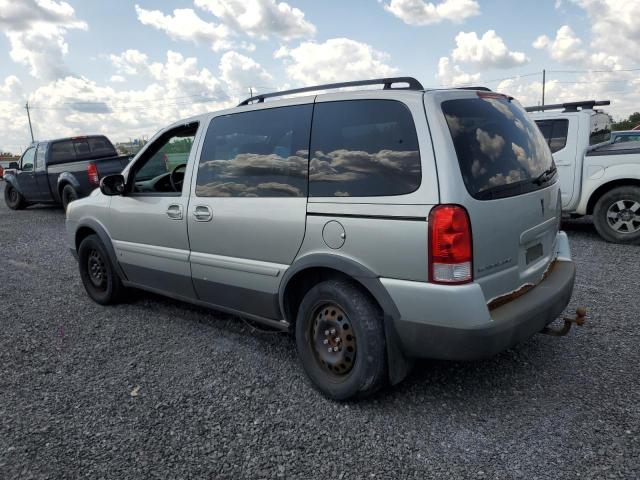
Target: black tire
342, 308
616, 215
98, 274
13, 198
68, 195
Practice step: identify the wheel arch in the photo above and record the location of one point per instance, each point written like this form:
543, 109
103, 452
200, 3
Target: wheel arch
606, 187
12, 180
65, 179
307, 271
91, 227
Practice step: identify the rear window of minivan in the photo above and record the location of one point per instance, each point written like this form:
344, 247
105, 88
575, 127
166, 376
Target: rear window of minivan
500, 150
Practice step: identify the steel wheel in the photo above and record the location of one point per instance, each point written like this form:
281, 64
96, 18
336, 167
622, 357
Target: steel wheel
13, 196
623, 216
333, 340
97, 270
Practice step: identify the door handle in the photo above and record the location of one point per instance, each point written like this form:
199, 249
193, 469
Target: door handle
202, 213
174, 212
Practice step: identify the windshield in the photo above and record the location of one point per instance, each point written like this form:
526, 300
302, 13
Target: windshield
500, 150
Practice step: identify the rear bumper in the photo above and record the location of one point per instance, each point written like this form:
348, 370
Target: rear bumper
467, 330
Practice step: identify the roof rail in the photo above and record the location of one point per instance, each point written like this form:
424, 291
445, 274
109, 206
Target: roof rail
570, 106
387, 82
483, 89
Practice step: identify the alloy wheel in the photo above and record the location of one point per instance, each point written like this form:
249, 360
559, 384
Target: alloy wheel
623, 216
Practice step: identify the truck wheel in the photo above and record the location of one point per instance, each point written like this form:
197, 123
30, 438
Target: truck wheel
13, 198
68, 195
98, 274
617, 215
340, 340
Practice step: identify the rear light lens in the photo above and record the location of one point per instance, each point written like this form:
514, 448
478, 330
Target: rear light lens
92, 172
450, 245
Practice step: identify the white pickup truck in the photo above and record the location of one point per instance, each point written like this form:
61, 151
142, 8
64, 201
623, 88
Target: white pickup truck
597, 177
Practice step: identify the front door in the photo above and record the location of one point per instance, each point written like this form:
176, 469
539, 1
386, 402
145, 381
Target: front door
148, 223
26, 175
248, 207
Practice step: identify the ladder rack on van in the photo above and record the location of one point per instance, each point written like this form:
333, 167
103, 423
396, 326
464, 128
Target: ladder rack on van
570, 106
387, 82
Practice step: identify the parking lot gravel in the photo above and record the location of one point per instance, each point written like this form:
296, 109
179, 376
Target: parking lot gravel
155, 388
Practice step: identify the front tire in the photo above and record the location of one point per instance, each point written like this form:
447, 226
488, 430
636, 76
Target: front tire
13, 198
616, 215
68, 195
340, 340
98, 274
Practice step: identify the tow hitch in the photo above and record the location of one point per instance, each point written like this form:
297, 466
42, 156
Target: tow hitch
579, 320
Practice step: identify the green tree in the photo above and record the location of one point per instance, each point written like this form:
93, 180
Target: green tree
629, 123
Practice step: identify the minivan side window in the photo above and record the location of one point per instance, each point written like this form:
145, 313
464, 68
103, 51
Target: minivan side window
261, 153
363, 148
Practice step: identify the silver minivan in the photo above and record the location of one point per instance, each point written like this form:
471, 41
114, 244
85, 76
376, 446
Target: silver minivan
379, 225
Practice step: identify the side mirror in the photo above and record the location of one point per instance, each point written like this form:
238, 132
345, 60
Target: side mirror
112, 185
13, 165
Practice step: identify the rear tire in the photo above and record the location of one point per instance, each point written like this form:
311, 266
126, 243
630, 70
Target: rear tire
98, 274
13, 198
68, 195
616, 215
338, 315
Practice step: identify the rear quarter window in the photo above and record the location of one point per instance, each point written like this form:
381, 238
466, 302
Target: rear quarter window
363, 148
62, 152
500, 149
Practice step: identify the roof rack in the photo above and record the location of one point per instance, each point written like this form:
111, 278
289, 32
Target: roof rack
570, 106
387, 82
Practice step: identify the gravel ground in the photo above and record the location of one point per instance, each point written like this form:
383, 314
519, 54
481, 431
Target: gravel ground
216, 399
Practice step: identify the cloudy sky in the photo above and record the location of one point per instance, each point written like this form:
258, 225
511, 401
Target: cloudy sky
125, 68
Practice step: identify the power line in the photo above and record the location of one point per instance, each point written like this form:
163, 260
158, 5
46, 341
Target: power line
596, 71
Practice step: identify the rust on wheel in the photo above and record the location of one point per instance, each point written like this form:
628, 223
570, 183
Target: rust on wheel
333, 340
97, 270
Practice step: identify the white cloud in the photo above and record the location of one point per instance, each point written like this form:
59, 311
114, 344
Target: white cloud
260, 18
117, 79
241, 72
614, 26
488, 51
419, 12
36, 31
334, 60
565, 47
131, 62
185, 24
452, 75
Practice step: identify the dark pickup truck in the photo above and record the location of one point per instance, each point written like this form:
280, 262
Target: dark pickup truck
60, 171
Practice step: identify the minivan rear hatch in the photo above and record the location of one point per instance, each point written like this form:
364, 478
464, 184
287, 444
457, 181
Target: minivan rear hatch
495, 162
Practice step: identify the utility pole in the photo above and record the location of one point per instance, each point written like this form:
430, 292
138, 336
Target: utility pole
29, 117
250, 92
544, 78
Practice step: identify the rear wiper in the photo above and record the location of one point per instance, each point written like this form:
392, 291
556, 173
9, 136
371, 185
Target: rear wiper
544, 176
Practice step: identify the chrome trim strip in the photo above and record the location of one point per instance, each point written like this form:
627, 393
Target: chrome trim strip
152, 250
239, 264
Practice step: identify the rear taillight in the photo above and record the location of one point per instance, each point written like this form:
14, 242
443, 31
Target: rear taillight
92, 173
450, 245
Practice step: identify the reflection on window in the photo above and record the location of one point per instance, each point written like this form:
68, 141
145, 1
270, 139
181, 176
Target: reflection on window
497, 146
555, 133
363, 148
262, 153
